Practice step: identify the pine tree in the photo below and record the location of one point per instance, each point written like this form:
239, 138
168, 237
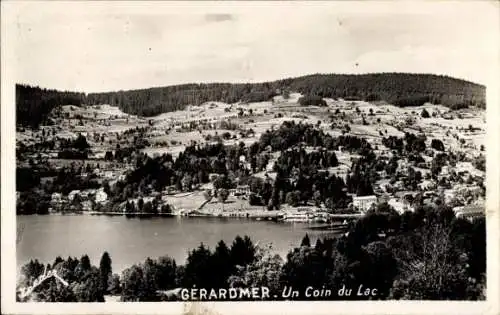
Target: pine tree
105, 271
306, 241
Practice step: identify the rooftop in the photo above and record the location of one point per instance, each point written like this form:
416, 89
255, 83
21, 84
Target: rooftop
364, 197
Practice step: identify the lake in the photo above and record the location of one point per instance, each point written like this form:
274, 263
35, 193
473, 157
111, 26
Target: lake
131, 240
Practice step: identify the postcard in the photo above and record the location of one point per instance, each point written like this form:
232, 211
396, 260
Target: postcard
250, 157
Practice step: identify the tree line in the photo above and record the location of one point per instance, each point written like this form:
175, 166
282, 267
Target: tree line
33, 104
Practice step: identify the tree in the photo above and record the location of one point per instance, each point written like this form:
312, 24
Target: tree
312, 100
108, 156
166, 208
222, 195
150, 274
480, 163
223, 182
166, 273
114, 285
433, 268
242, 251
133, 287
304, 267
286, 94
53, 291
187, 182
80, 143
264, 271
85, 262
317, 198
79, 273
292, 198
90, 290
425, 113
105, 271
197, 271
148, 208
381, 268
221, 265
305, 241
140, 204
30, 271
437, 145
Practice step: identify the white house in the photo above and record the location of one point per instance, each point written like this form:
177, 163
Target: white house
363, 203
470, 212
109, 174
101, 196
445, 171
72, 194
399, 206
427, 185
56, 197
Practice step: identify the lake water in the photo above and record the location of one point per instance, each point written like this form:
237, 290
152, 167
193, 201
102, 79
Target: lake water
131, 240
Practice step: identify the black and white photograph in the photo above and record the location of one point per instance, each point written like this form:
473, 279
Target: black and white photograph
249, 152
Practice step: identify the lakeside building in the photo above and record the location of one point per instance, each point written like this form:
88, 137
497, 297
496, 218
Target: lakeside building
56, 198
101, 196
363, 203
470, 212
73, 194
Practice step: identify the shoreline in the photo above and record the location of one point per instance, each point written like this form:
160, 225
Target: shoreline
333, 226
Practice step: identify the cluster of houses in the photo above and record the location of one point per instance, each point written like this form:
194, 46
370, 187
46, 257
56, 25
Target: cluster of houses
83, 200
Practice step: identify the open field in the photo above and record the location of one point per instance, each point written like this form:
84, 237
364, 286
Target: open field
185, 201
232, 204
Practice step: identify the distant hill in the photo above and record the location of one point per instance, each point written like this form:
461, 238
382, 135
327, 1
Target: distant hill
33, 104
400, 89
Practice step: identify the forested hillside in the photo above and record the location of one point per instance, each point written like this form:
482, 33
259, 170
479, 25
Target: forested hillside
34, 104
401, 89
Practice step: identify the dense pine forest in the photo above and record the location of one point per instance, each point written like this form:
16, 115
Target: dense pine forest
34, 104
401, 89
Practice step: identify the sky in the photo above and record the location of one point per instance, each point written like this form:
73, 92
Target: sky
106, 46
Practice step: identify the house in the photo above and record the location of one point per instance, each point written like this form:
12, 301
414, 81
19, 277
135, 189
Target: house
341, 170
108, 174
470, 212
382, 173
242, 190
72, 194
85, 193
269, 167
427, 185
86, 205
399, 206
56, 198
101, 196
363, 203
445, 171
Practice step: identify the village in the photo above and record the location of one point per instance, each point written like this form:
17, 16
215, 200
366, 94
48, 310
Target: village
115, 138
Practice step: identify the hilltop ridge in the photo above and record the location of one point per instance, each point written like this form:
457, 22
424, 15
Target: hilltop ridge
401, 89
